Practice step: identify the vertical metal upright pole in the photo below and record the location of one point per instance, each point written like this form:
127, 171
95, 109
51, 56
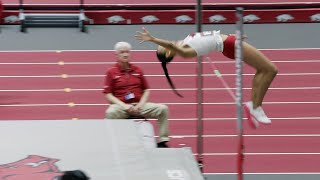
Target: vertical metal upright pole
199, 93
239, 94
82, 17
81, 4
21, 4
21, 16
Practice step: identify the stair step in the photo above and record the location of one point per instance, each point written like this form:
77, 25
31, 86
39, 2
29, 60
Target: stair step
51, 14
52, 21
51, 24
52, 18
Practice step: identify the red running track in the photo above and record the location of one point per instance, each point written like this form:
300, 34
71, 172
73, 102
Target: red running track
67, 85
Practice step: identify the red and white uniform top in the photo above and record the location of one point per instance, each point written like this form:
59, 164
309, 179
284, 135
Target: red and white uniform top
205, 42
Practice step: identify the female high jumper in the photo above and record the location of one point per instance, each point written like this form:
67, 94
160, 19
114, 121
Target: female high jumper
201, 43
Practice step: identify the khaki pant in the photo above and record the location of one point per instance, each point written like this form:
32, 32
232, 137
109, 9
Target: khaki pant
149, 110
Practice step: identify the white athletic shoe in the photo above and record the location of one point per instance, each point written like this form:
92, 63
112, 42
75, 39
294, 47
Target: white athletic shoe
256, 116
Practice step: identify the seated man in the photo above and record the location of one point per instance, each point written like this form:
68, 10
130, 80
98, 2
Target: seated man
128, 92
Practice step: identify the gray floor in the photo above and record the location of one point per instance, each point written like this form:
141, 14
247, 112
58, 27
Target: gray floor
263, 36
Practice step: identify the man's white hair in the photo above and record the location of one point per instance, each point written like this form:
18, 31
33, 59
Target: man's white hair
120, 45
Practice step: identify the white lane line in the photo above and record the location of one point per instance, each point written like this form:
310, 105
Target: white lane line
147, 75
233, 119
181, 89
229, 119
143, 62
185, 103
105, 50
269, 173
256, 154
246, 135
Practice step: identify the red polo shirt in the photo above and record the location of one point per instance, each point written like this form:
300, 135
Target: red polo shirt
121, 82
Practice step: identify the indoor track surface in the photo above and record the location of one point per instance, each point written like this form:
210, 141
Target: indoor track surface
57, 85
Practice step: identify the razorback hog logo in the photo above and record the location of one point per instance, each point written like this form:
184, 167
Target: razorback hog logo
217, 18
149, 19
31, 168
250, 18
183, 19
284, 18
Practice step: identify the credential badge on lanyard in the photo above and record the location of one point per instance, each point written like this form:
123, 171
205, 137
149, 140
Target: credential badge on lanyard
129, 96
